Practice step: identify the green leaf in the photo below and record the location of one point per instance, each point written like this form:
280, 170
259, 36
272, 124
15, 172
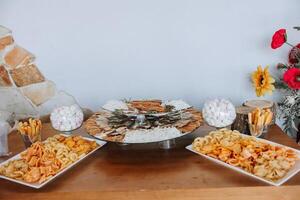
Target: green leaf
285, 36
281, 66
288, 125
279, 84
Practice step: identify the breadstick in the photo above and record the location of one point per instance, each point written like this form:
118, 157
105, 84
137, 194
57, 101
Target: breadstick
269, 118
29, 131
254, 117
250, 118
22, 131
258, 114
37, 129
263, 117
32, 128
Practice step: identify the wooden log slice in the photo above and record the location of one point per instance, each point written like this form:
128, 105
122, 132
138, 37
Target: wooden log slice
241, 122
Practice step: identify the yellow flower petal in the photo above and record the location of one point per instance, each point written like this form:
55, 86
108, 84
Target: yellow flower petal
262, 81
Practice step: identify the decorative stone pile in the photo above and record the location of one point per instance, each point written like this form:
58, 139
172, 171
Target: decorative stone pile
23, 88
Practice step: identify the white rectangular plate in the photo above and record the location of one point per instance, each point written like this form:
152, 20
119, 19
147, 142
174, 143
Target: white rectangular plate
39, 185
293, 171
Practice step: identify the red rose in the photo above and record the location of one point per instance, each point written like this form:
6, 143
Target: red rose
278, 39
292, 78
294, 55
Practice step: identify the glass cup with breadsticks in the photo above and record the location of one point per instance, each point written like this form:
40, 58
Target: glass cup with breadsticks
31, 131
259, 121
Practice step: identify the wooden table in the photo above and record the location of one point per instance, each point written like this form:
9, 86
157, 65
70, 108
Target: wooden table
145, 172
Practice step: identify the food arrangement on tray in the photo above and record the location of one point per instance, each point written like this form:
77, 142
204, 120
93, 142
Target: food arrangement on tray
265, 160
143, 121
43, 161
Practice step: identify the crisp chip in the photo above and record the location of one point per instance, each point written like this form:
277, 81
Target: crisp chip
261, 159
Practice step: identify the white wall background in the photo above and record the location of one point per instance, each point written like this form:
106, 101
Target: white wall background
188, 49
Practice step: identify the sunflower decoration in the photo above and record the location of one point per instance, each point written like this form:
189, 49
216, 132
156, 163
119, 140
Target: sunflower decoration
262, 81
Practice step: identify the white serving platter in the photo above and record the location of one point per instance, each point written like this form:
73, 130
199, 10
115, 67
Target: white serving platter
292, 172
40, 185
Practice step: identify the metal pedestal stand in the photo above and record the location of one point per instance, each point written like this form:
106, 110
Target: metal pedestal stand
124, 146
168, 144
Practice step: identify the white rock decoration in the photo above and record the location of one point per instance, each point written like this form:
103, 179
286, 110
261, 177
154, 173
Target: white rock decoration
4, 130
219, 113
39, 93
66, 118
24, 90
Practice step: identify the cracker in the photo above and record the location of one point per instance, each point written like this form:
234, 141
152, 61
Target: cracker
27, 75
5, 41
4, 77
148, 105
17, 57
189, 127
115, 138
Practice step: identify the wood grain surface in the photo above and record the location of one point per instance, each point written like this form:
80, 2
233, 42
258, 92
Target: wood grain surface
146, 172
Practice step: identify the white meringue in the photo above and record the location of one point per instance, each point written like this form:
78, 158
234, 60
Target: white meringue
66, 118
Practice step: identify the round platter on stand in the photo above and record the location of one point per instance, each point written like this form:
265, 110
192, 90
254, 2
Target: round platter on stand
144, 122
